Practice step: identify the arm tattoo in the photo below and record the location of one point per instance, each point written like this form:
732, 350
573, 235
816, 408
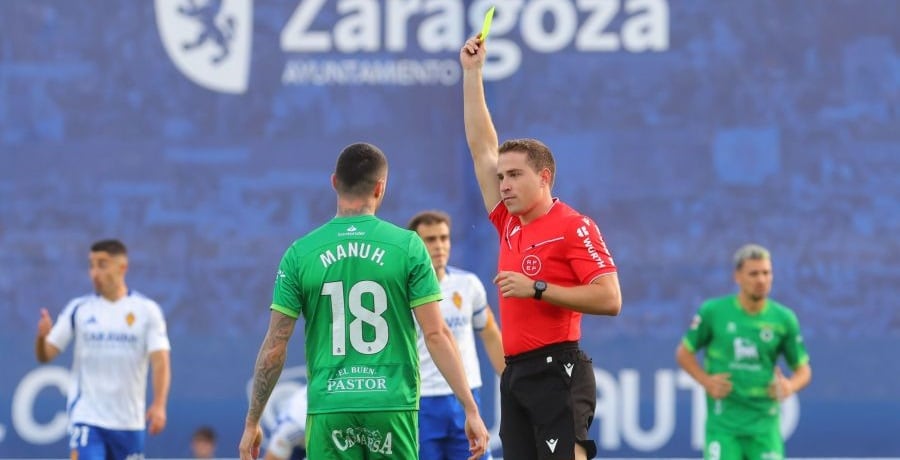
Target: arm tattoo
269, 363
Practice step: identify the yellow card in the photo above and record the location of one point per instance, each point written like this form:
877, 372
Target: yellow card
486, 27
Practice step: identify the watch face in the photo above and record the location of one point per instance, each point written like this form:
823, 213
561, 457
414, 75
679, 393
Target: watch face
540, 285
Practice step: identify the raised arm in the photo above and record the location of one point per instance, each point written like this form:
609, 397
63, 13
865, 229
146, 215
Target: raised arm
442, 347
480, 133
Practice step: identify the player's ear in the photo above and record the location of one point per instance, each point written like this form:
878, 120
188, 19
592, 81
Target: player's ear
546, 178
380, 187
334, 181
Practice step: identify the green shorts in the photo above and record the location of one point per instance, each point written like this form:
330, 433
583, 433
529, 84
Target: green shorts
371, 435
727, 446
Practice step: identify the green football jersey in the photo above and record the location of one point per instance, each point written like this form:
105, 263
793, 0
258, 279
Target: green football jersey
356, 280
746, 346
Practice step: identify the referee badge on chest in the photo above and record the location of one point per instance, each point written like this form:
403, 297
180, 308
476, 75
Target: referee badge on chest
531, 265
129, 319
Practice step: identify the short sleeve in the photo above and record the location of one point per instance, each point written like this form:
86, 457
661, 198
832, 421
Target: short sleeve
587, 252
479, 303
286, 293
499, 217
793, 347
423, 283
157, 336
61, 333
699, 334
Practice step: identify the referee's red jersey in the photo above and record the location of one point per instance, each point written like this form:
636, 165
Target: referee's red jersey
561, 247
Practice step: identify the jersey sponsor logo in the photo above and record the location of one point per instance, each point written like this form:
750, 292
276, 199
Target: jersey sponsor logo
351, 231
585, 236
457, 299
456, 322
745, 349
208, 40
356, 379
551, 444
129, 319
357, 384
109, 337
91, 320
370, 438
531, 265
582, 232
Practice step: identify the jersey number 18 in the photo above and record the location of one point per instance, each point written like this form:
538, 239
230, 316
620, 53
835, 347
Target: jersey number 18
361, 315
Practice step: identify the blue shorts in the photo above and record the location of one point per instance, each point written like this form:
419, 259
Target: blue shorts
442, 428
95, 443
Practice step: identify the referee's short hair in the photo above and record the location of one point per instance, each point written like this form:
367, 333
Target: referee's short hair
750, 252
112, 247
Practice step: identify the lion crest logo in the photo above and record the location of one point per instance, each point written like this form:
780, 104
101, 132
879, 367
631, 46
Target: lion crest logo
208, 40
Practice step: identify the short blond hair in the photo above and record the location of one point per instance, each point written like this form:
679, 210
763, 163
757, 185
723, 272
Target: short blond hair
750, 252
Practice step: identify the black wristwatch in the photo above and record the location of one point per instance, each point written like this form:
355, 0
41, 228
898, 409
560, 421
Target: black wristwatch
539, 288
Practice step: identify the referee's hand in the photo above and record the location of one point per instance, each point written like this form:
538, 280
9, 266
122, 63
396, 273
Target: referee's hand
478, 436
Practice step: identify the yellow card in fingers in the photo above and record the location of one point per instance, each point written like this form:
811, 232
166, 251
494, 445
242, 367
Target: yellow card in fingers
486, 26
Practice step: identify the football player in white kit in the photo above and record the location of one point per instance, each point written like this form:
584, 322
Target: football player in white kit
289, 431
117, 333
466, 311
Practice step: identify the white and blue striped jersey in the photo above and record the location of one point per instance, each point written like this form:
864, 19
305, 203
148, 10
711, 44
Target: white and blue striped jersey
465, 310
113, 342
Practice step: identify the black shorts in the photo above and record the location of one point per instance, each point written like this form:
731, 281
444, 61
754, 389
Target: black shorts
547, 402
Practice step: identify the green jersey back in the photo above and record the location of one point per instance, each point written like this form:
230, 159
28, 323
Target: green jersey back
356, 280
746, 346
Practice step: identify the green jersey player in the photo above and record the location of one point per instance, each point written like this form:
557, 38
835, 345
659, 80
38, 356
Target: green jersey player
359, 283
743, 336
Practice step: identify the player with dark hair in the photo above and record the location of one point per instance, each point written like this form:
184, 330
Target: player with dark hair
117, 334
361, 284
466, 311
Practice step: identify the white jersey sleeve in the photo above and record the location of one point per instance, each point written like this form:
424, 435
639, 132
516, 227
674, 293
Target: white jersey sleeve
157, 336
63, 330
479, 304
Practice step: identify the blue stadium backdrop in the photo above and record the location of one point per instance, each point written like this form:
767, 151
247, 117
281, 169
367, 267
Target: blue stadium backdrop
202, 133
